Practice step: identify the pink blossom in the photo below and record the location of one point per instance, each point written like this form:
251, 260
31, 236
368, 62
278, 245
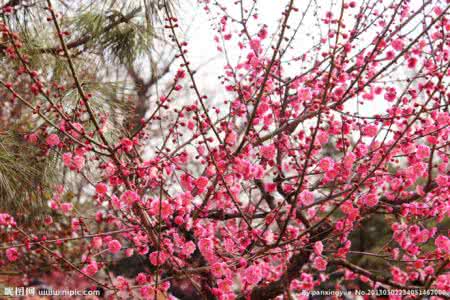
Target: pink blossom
52, 140
78, 162
307, 198
443, 243
121, 283
231, 138
262, 34
443, 181
114, 246
116, 203
398, 44
398, 275
129, 252
186, 198
129, 197
67, 159
320, 263
225, 285
326, 163
179, 220
206, 247
48, 220
390, 95
206, 244
73, 162
32, 138
147, 291
66, 207
127, 144
349, 159
141, 279
443, 118
91, 269
364, 278
443, 282
422, 152
97, 242
180, 74
76, 225
201, 150
201, 182
166, 209
186, 182
255, 44
370, 130
252, 275
268, 152
217, 269
318, 248
370, 200
188, 249
78, 128
306, 281
158, 258
101, 188
423, 236
322, 137
412, 62
12, 254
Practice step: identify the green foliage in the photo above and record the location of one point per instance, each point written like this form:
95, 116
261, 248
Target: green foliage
121, 36
24, 178
105, 38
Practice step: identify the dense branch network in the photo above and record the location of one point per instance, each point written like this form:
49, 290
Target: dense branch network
277, 188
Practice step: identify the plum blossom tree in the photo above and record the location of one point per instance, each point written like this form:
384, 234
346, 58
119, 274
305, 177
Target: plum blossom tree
276, 190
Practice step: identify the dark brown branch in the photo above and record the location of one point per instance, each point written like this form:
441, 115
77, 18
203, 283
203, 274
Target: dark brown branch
296, 263
142, 88
373, 277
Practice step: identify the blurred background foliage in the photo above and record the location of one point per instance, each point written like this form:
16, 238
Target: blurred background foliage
111, 44
25, 178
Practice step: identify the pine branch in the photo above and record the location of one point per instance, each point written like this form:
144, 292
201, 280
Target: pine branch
87, 38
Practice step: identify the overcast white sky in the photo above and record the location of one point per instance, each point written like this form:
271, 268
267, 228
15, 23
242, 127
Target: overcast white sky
202, 48
198, 26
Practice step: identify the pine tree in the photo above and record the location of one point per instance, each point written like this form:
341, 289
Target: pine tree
108, 41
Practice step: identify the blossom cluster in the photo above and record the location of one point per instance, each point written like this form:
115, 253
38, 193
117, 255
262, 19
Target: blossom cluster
266, 192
